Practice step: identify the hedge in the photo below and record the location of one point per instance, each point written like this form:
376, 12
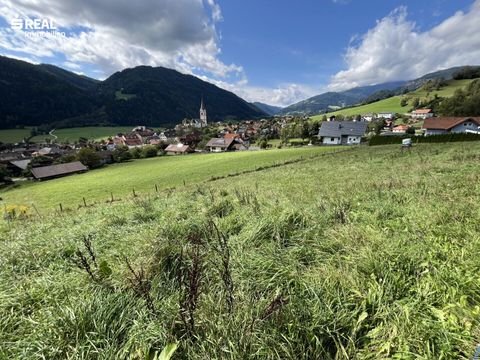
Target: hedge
451, 137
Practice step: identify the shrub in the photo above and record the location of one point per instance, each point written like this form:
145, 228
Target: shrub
149, 151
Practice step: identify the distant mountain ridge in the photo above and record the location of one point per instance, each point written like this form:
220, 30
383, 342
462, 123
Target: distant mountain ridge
269, 109
46, 94
321, 103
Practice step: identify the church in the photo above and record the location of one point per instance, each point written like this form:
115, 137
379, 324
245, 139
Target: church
198, 123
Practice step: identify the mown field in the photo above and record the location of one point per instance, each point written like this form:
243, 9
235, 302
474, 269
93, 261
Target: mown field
366, 254
392, 104
13, 135
90, 132
64, 135
143, 175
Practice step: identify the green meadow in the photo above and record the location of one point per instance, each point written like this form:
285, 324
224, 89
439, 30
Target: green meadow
370, 253
64, 135
142, 175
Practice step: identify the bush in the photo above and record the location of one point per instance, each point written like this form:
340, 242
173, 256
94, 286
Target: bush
136, 153
452, 137
89, 158
149, 151
122, 154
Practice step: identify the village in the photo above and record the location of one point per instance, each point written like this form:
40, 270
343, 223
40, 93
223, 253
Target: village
196, 136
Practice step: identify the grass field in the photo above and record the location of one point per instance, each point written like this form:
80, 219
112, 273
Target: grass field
366, 254
166, 172
393, 104
90, 132
13, 135
64, 135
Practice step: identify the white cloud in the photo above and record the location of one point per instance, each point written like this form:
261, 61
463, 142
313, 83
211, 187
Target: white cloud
396, 50
281, 95
111, 35
114, 34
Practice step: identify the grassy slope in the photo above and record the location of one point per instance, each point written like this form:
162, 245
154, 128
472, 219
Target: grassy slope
71, 135
13, 135
90, 132
373, 252
393, 104
168, 171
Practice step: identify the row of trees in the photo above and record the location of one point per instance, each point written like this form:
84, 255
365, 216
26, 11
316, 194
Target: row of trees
464, 102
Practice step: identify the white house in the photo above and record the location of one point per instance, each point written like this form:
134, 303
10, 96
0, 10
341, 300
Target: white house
386, 115
368, 117
444, 125
342, 132
422, 114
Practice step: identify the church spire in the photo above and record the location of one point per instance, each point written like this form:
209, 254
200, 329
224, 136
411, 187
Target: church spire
203, 113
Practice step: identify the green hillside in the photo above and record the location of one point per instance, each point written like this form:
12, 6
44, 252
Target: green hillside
63, 135
89, 132
366, 254
166, 172
34, 95
393, 104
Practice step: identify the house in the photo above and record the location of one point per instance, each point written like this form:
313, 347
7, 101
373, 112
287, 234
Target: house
143, 131
54, 171
386, 115
131, 140
422, 114
342, 132
178, 149
154, 140
220, 144
368, 117
444, 125
400, 129
231, 136
17, 167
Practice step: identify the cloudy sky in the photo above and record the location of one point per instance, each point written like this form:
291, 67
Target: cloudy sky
277, 52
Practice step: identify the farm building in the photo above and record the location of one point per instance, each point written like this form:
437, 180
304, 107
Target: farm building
443, 125
220, 144
54, 171
422, 114
342, 132
178, 149
400, 129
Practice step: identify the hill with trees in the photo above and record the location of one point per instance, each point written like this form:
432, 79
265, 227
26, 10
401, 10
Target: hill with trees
45, 94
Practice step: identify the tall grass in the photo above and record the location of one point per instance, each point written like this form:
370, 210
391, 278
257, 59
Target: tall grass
369, 254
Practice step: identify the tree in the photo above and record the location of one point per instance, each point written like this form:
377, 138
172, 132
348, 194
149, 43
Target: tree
136, 153
3, 173
263, 143
122, 154
149, 151
410, 130
415, 102
89, 158
404, 101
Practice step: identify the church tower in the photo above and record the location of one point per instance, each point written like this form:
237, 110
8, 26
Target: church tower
203, 114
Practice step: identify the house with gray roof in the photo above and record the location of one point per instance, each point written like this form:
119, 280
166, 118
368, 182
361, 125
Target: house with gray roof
342, 132
54, 171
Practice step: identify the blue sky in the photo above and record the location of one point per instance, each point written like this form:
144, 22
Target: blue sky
277, 52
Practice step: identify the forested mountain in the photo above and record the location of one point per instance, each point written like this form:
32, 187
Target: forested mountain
45, 94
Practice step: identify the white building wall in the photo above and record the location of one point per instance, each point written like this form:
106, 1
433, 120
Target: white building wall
467, 125
327, 140
352, 140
